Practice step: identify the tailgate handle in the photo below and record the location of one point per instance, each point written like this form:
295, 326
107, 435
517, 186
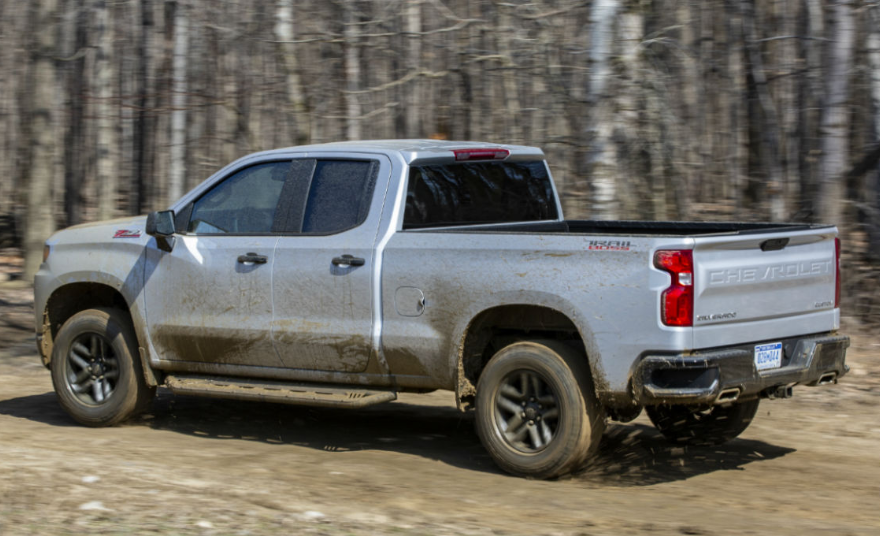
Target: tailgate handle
774, 244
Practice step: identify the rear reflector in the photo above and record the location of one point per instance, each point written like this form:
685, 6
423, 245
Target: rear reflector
481, 154
837, 273
677, 302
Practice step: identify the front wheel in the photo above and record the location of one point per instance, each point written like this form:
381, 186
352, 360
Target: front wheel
536, 409
95, 370
689, 425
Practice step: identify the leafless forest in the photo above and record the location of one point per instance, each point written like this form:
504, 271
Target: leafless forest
663, 109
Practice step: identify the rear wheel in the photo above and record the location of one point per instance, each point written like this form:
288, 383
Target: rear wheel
690, 425
536, 410
95, 370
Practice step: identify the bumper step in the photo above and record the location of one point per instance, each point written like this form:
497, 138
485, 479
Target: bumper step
283, 392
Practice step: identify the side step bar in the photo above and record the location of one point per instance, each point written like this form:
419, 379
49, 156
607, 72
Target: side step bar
271, 391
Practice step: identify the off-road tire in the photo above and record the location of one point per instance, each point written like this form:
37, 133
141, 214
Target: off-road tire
580, 420
689, 425
130, 393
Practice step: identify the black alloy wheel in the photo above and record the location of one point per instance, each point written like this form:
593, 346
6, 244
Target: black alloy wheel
96, 369
537, 413
526, 411
92, 368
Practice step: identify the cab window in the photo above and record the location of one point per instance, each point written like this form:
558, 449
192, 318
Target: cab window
244, 203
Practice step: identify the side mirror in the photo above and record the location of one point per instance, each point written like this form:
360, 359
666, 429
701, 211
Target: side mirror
160, 224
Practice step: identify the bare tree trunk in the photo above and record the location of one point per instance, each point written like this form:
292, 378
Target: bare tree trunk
789, 103
874, 64
177, 165
413, 26
835, 123
512, 109
766, 119
634, 165
105, 162
284, 32
873, 183
352, 73
138, 194
74, 167
599, 128
40, 223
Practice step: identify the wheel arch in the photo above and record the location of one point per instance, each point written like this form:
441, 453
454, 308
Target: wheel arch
71, 298
497, 326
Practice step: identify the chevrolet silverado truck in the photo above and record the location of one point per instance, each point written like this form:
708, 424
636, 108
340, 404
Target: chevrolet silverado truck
346, 273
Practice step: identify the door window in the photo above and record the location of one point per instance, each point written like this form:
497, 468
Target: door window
339, 196
243, 203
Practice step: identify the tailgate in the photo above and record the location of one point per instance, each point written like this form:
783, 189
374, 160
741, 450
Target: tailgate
782, 279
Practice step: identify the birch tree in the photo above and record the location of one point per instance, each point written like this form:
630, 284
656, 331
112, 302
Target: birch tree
831, 193
105, 166
352, 73
413, 27
599, 127
177, 169
284, 32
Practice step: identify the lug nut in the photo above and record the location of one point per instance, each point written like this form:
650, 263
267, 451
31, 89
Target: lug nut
523, 403
531, 423
523, 414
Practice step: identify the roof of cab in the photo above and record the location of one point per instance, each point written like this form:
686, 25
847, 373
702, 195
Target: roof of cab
412, 150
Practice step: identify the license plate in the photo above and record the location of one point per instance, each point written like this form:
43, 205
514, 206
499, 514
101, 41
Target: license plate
768, 356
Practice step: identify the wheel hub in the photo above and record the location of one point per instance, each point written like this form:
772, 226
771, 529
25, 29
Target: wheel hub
526, 411
92, 368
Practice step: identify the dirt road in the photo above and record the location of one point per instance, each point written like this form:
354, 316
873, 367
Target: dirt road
809, 465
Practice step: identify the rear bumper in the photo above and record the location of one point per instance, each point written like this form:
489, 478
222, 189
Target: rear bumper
725, 374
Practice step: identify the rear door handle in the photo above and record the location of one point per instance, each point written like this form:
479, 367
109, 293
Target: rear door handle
253, 258
348, 260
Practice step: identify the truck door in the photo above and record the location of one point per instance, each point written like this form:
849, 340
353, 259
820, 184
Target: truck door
209, 300
324, 266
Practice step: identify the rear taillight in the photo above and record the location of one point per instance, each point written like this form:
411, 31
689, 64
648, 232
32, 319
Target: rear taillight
677, 302
837, 273
481, 154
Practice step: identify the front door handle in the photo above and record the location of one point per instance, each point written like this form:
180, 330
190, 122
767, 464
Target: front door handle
253, 258
348, 260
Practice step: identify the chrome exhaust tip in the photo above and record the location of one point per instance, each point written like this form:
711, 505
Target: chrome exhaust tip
727, 395
827, 378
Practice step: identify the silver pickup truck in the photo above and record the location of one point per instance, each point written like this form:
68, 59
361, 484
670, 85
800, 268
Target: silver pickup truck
343, 274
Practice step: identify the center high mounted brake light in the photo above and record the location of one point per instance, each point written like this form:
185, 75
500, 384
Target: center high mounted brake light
480, 154
677, 302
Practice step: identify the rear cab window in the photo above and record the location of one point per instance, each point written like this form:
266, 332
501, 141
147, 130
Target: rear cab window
474, 193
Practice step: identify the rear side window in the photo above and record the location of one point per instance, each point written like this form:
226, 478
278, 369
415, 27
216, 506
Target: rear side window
339, 196
478, 192
245, 202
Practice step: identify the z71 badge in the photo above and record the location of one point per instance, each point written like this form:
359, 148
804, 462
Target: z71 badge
125, 233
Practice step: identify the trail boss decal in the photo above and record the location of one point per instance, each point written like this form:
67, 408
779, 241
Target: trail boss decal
609, 245
126, 233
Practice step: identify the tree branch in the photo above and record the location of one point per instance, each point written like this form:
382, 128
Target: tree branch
866, 164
